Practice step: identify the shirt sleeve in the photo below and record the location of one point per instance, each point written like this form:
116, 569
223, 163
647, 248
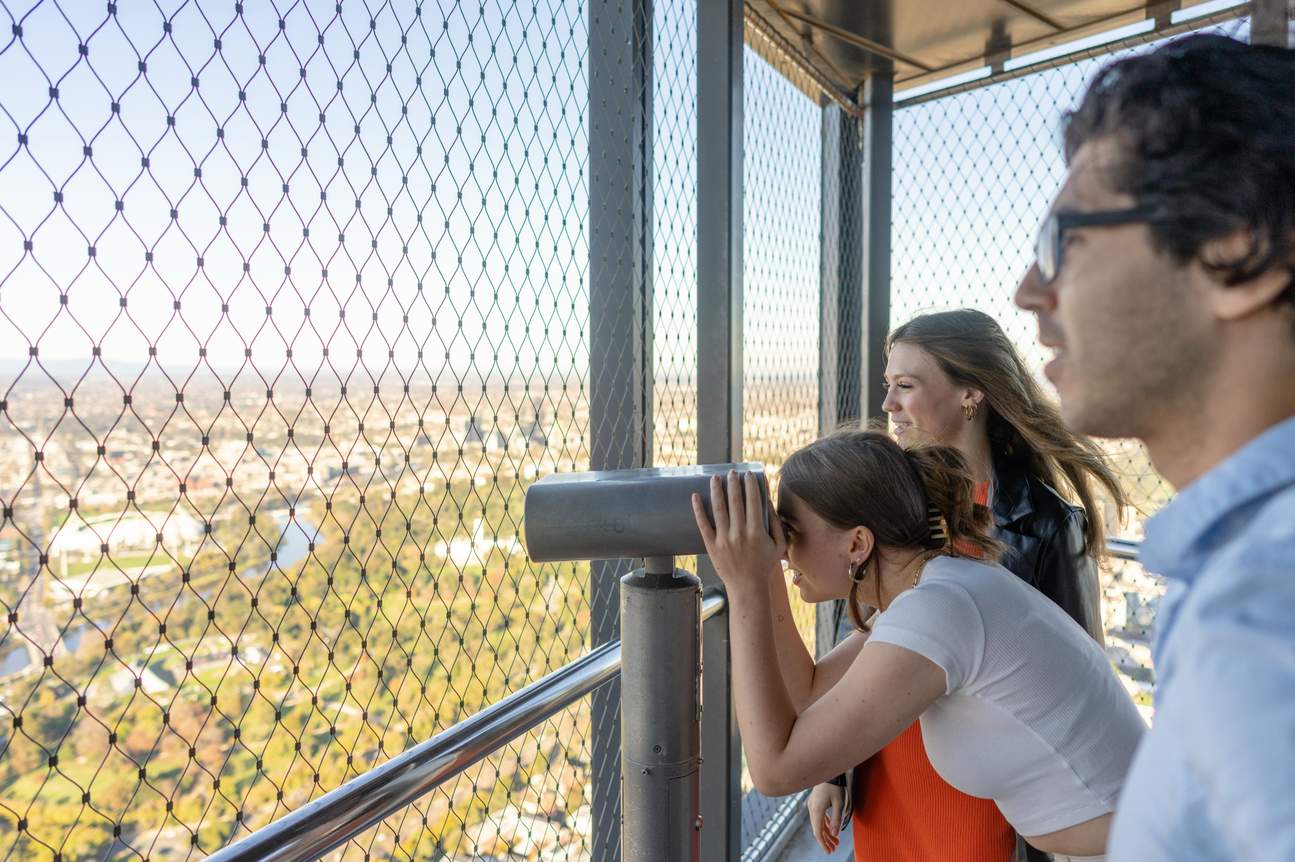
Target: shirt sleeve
939, 621
1237, 705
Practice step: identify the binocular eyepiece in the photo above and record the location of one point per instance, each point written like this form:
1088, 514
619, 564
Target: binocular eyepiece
605, 514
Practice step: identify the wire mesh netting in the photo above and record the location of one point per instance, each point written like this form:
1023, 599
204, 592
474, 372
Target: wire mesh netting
674, 235
674, 239
780, 312
974, 174
292, 307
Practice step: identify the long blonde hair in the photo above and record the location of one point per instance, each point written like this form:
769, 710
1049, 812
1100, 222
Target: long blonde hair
1025, 428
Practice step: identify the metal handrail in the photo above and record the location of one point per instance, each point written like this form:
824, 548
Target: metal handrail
1122, 549
340, 815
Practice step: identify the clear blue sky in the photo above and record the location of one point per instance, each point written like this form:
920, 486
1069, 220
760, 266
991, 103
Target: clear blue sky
495, 97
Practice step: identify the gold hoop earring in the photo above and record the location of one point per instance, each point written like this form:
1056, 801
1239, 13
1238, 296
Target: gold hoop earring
969, 410
856, 571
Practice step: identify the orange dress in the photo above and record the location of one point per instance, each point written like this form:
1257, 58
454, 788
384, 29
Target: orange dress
905, 812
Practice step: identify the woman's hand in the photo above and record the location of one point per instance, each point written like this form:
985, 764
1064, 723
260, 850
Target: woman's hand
825, 805
743, 551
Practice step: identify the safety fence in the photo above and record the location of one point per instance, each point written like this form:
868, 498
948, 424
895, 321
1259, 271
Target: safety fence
297, 299
294, 306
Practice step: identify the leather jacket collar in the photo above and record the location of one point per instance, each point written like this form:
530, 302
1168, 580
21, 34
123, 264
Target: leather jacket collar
1011, 498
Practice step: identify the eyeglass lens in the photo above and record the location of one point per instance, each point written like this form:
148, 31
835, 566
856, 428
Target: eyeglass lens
1045, 249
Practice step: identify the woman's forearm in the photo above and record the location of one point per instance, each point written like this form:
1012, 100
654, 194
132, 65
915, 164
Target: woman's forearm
765, 711
794, 658
885, 690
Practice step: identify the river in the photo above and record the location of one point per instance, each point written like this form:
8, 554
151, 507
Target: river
295, 537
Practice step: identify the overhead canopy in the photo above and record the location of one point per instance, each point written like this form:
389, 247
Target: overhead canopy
838, 43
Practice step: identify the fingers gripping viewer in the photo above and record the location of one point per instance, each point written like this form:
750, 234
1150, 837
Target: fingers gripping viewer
1016, 702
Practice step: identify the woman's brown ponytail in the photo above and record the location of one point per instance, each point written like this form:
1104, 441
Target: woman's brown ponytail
923, 498
959, 523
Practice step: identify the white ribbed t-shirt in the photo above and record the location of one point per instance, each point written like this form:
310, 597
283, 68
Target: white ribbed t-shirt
1033, 715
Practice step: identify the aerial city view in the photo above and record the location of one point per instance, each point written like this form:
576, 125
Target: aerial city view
264, 619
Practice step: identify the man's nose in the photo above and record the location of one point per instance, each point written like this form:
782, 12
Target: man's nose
1032, 294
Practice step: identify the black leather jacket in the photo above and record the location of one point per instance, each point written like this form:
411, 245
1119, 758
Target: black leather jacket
1045, 542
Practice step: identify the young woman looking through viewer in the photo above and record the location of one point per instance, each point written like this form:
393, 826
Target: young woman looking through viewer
1016, 702
954, 378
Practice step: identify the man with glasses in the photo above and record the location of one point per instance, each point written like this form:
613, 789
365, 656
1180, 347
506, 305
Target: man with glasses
1165, 284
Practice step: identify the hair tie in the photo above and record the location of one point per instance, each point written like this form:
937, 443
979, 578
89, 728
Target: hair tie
939, 525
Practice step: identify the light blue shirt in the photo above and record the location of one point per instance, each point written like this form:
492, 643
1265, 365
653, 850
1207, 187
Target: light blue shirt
1215, 777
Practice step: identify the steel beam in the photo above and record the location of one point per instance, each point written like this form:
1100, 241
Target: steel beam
840, 271
854, 260
878, 165
854, 275
620, 334
855, 256
719, 382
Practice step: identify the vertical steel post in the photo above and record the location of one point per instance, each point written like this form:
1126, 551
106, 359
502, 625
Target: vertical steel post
840, 358
878, 166
854, 273
840, 312
719, 384
620, 337
854, 262
1270, 23
660, 727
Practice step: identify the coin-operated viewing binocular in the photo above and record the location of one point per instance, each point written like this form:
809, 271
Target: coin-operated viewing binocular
621, 513
646, 513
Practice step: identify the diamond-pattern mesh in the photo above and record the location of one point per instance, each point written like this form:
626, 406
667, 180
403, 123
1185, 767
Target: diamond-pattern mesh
781, 234
292, 308
674, 235
974, 174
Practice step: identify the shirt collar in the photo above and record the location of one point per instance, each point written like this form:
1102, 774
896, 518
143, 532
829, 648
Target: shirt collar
1259, 467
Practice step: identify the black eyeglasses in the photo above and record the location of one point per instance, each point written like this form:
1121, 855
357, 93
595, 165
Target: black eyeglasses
1048, 246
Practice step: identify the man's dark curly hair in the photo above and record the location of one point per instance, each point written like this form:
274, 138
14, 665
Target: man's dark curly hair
1206, 131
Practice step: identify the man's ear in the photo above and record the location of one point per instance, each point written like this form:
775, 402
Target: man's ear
1247, 298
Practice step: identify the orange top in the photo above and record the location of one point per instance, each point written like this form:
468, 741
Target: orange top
905, 812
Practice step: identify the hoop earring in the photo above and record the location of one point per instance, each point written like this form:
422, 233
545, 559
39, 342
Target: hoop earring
856, 571
969, 410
